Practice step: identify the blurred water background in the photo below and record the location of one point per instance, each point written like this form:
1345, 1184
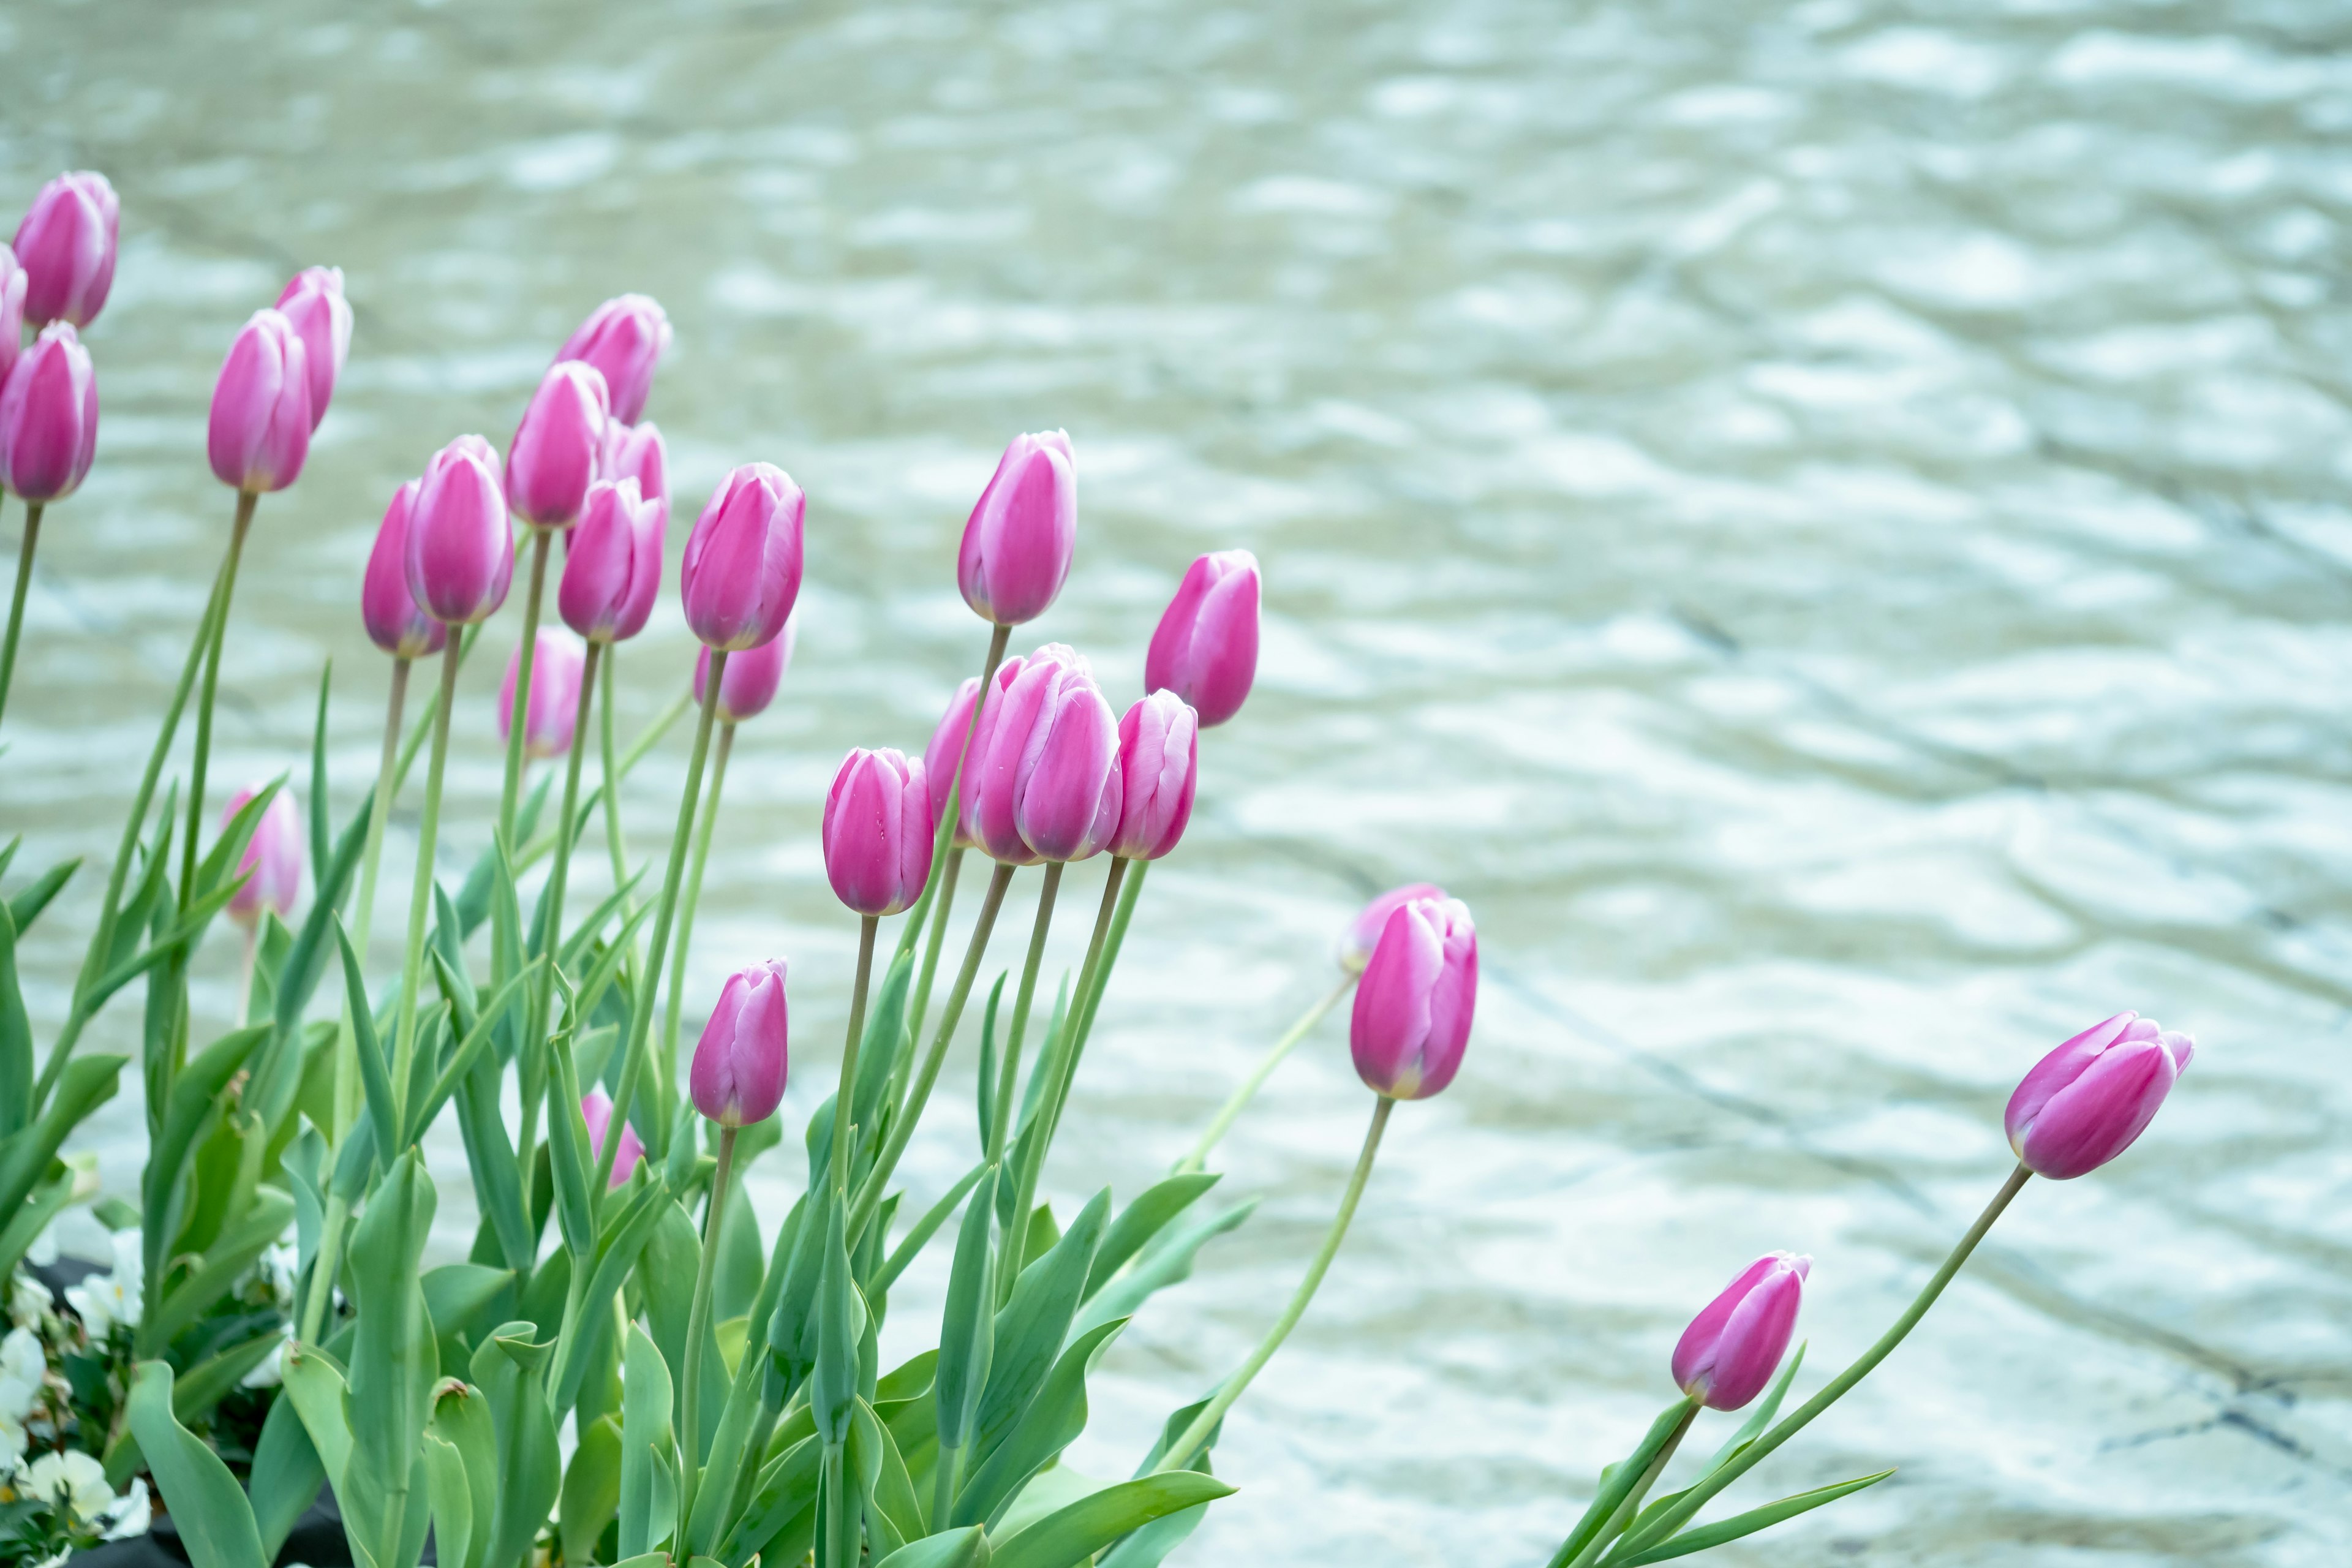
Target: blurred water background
1825, 525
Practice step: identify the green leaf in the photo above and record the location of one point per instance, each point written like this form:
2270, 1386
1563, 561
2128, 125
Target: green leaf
393, 1365
456, 1295
498, 1175
967, 1329
1070, 1535
1051, 1424
225, 1262
646, 1515
448, 1490
833, 1384
1618, 1481
375, 1073
886, 1026
627, 1228
592, 1489
567, 1151
507, 1369
15, 1037
1761, 1417
214, 1519
1748, 1523
462, 1423
75, 1173
1031, 1329
990, 1067
906, 1251
26, 906
667, 1267
783, 1507
1141, 1220
287, 1473
194, 1393
475, 1039
315, 1387
87, 1084
1166, 1261
966, 1548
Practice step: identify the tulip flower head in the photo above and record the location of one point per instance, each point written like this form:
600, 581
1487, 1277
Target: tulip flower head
1732, 1348
313, 301
596, 1110
396, 622
1413, 1006
623, 338
2085, 1102
611, 563
752, 675
1159, 766
1354, 948
553, 706
740, 1064
12, 312
637, 452
947, 748
66, 245
1018, 541
877, 832
1205, 646
461, 546
272, 862
558, 445
1044, 771
260, 429
742, 568
48, 418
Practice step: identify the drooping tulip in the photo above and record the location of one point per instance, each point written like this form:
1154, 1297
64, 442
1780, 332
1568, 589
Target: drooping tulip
2085, 1102
739, 1063
596, 1110
1044, 772
1354, 948
12, 312
753, 675
396, 622
1414, 1004
1205, 646
1159, 767
877, 832
611, 563
947, 745
637, 452
66, 245
48, 418
1732, 1348
260, 429
741, 573
272, 861
1018, 541
553, 706
461, 546
313, 301
558, 445
623, 338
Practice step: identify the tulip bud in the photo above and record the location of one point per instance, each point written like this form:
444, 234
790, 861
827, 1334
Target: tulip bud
1205, 646
948, 747
596, 1110
553, 706
558, 445
1044, 770
1413, 1006
67, 246
1159, 764
611, 563
314, 302
1018, 541
753, 675
396, 622
738, 1065
261, 407
1354, 948
1732, 1348
48, 418
461, 546
637, 452
273, 858
743, 567
2085, 1102
877, 832
12, 312
623, 338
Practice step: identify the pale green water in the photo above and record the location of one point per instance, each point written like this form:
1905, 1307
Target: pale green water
1825, 525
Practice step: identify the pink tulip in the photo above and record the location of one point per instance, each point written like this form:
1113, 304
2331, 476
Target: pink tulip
553, 706
66, 245
1732, 1348
740, 1064
948, 747
611, 563
1412, 1009
2085, 1102
596, 1110
877, 832
753, 675
1205, 647
623, 338
272, 862
48, 418
460, 545
1044, 771
261, 407
637, 452
558, 445
1158, 766
1354, 949
12, 312
314, 302
394, 621
1018, 541
743, 567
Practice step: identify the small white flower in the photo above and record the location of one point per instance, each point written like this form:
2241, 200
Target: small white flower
130, 1513
103, 1301
30, 1302
23, 1365
279, 1266
12, 1446
71, 1477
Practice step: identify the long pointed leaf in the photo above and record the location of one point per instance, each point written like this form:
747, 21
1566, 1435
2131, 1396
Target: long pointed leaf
215, 1520
1754, 1519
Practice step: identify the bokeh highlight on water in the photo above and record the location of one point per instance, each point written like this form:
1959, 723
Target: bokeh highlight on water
1825, 524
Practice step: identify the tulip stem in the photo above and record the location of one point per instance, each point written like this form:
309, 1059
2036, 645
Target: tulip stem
245, 501
618, 849
697, 1323
703, 829
1009, 1071
1102, 953
869, 1196
1231, 1111
921, 1003
420, 729
558, 878
1630, 1506
420, 894
845, 1098
17, 599
641, 1015
950, 802
1674, 1517
347, 1059
1180, 1452
526, 655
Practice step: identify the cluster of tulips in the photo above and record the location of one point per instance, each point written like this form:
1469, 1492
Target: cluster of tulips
723, 1387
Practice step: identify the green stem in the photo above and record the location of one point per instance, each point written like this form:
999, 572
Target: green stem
324, 1264
1625, 1511
420, 729
17, 599
511, 791
1091, 992
837, 1544
997, 637
703, 830
1102, 951
610, 789
420, 895
1199, 1155
697, 1323
919, 1004
559, 875
947, 1475
1008, 1070
845, 1098
347, 1058
1674, 1517
245, 501
1206, 1422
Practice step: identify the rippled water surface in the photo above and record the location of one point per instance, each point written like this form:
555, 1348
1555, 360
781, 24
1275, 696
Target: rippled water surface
1825, 525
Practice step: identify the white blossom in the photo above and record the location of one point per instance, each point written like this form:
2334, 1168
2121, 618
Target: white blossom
73, 1478
103, 1301
130, 1513
30, 1302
